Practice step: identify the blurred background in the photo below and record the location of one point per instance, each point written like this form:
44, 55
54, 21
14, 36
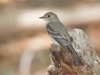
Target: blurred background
24, 44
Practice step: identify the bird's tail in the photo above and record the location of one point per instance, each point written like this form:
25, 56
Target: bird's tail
74, 55
76, 59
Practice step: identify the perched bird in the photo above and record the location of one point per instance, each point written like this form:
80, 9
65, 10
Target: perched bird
59, 35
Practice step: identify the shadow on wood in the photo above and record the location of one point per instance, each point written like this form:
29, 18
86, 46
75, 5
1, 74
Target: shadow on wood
62, 63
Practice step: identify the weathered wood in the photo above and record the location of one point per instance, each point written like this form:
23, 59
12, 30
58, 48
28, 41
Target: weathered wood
62, 63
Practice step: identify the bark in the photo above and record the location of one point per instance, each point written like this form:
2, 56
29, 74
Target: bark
62, 63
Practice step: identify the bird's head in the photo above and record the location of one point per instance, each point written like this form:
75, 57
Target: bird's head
49, 17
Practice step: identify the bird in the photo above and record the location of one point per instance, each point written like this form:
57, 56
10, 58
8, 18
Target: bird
60, 36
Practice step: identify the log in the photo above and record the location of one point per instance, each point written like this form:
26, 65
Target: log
62, 63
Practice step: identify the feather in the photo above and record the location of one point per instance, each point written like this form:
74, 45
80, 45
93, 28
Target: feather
65, 44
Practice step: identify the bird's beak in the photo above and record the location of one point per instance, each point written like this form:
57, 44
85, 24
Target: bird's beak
42, 17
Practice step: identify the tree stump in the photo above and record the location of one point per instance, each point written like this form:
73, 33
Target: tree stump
62, 64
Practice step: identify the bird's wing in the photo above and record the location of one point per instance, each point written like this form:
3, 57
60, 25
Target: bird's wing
64, 43
58, 37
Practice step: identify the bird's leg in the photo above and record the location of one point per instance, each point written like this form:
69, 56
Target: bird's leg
71, 38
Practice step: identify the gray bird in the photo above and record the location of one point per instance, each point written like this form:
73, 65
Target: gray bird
59, 35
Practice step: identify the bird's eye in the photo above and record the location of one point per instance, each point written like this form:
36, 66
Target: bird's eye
48, 15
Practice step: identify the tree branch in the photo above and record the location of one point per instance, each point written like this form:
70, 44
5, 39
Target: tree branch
62, 63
